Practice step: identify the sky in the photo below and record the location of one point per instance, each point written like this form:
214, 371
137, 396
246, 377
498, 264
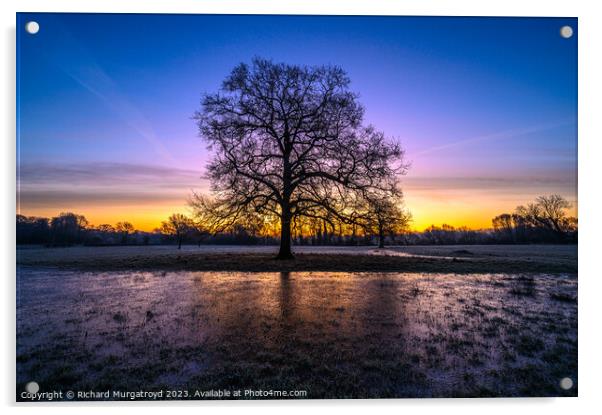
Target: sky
485, 108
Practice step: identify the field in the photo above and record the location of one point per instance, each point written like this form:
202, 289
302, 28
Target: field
330, 334
429, 259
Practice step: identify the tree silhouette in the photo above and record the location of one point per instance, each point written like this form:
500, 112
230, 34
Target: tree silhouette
288, 141
385, 215
545, 220
504, 225
105, 228
179, 226
548, 212
32, 229
125, 228
67, 228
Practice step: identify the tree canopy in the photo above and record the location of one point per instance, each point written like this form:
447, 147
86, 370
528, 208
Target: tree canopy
177, 225
545, 219
289, 141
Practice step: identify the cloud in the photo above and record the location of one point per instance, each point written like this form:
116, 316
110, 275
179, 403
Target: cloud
512, 133
481, 193
47, 185
492, 184
105, 173
69, 199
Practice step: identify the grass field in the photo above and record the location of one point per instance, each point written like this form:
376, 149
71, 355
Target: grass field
429, 259
159, 326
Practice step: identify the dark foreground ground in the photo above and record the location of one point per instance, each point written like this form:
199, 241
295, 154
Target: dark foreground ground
425, 259
318, 334
129, 320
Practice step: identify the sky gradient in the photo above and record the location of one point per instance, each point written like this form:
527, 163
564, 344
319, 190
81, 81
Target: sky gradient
486, 108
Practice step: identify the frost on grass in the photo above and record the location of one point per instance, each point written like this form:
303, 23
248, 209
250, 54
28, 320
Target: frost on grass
332, 334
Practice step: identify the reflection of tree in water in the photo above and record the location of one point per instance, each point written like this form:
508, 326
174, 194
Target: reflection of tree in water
331, 326
333, 334
379, 309
285, 297
287, 327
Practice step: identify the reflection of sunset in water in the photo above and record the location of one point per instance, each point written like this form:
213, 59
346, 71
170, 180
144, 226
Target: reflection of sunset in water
334, 334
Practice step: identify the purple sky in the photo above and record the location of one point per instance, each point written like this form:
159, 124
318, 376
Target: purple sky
486, 108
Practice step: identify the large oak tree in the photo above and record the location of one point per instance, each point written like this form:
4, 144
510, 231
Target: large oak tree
289, 141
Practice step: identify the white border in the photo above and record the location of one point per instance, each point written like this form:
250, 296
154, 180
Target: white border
590, 135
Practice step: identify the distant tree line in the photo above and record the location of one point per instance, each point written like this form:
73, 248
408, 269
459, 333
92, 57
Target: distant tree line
72, 229
543, 221
69, 229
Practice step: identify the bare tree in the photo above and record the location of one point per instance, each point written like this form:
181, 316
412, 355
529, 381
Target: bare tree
548, 212
105, 228
504, 225
385, 215
67, 228
288, 141
125, 228
545, 219
178, 226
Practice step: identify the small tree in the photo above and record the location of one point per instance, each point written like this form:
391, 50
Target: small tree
178, 226
125, 228
504, 226
384, 216
105, 228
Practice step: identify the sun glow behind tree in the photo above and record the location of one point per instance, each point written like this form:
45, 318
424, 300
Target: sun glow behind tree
289, 141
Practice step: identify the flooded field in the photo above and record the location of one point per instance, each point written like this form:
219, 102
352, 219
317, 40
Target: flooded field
344, 335
29, 254
449, 259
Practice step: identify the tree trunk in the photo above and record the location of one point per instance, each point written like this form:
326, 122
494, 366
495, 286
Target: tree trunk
179, 242
381, 237
285, 216
285, 236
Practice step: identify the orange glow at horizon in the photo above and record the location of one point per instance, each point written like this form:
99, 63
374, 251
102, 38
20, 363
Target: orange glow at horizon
474, 210
143, 218
427, 208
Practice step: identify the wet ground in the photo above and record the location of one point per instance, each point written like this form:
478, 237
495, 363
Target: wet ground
511, 259
333, 335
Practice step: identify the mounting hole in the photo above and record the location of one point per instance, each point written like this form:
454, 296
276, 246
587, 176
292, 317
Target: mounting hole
566, 383
32, 27
566, 32
32, 387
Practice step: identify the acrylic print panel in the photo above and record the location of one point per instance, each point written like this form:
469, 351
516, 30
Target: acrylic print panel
295, 207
